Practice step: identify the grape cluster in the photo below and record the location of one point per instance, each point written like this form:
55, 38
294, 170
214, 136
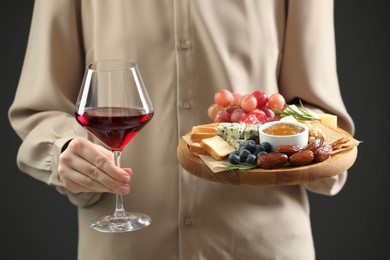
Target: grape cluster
254, 108
249, 152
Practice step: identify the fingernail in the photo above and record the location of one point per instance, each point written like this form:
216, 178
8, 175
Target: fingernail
124, 189
125, 178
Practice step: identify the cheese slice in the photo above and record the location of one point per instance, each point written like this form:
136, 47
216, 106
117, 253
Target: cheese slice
217, 147
288, 119
329, 119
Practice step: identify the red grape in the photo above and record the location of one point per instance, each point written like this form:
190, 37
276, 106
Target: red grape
223, 97
237, 98
248, 103
268, 111
231, 108
222, 116
236, 115
276, 100
261, 97
213, 110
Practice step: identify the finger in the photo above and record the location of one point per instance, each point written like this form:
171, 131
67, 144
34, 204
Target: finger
80, 171
88, 151
129, 171
77, 182
75, 187
105, 151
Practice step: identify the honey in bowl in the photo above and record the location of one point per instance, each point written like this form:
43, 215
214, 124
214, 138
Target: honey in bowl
284, 133
283, 129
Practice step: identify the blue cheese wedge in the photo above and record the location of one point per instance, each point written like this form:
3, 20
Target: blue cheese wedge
251, 130
236, 134
236, 143
231, 131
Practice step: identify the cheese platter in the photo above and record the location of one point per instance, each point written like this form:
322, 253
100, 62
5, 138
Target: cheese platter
289, 175
259, 140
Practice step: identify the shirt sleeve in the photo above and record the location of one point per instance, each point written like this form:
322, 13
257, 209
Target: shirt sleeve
42, 110
309, 71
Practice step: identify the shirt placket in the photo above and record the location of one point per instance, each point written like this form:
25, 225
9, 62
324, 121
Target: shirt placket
185, 96
184, 64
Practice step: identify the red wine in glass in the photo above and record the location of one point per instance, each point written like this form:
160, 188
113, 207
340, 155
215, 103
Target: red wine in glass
114, 126
114, 105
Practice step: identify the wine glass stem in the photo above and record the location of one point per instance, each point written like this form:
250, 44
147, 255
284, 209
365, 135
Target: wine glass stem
119, 209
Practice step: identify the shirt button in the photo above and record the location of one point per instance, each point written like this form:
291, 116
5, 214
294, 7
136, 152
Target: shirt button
186, 105
184, 46
187, 221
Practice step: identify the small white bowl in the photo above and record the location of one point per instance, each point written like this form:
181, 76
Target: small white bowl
301, 138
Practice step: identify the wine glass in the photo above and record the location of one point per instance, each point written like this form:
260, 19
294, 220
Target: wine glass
113, 105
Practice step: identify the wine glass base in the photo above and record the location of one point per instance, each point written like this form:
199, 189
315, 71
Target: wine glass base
130, 222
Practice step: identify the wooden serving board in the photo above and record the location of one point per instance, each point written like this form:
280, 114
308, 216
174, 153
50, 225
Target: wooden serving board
285, 176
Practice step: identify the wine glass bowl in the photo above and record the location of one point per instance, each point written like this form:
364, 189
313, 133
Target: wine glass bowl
113, 105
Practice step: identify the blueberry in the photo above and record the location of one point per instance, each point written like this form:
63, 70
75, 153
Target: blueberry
233, 158
250, 145
251, 158
258, 149
261, 153
244, 154
266, 147
255, 138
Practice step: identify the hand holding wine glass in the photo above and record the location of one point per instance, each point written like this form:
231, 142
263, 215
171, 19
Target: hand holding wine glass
113, 105
85, 166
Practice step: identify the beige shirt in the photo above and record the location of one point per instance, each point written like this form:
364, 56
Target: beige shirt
185, 50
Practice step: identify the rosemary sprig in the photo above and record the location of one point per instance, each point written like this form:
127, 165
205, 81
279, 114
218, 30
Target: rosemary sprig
240, 166
300, 113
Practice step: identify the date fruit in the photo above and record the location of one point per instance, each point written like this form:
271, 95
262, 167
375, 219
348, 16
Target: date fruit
288, 149
301, 158
322, 153
317, 142
272, 160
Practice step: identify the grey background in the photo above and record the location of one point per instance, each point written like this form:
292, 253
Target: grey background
38, 223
